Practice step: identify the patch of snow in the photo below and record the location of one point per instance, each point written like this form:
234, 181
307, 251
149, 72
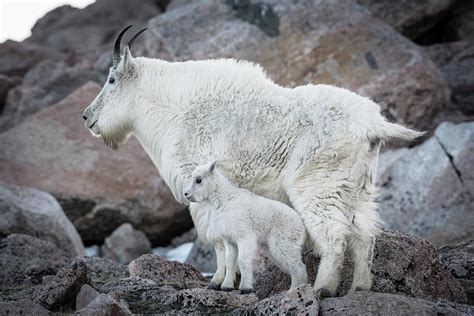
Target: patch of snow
92, 251
179, 253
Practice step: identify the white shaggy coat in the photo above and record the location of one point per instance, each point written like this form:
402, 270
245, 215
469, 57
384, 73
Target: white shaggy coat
243, 221
314, 147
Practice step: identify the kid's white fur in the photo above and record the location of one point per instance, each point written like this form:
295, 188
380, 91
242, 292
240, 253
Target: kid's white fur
243, 221
314, 147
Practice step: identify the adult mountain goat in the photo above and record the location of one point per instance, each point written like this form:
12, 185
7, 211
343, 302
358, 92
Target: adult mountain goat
314, 147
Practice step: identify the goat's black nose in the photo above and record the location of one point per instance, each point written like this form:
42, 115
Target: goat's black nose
84, 117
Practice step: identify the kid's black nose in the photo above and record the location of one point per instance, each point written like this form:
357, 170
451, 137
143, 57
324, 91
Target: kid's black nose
185, 194
84, 117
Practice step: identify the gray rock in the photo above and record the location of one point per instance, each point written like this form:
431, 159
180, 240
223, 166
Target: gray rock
459, 260
85, 296
102, 270
160, 270
104, 304
6, 83
390, 69
22, 307
428, 190
403, 264
456, 62
36, 213
64, 28
188, 236
125, 244
370, 303
52, 147
62, 291
202, 257
45, 84
411, 18
17, 58
299, 301
24, 260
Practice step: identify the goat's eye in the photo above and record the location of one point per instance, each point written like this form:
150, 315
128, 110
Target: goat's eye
198, 180
111, 80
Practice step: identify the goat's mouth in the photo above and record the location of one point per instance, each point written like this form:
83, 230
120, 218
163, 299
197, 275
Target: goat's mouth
93, 128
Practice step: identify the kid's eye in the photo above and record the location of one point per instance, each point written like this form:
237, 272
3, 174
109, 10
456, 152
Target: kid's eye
198, 180
111, 80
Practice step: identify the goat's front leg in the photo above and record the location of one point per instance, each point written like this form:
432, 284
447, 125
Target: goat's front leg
218, 277
247, 251
230, 264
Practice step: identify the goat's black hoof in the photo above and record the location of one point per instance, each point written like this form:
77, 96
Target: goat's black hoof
323, 293
214, 286
226, 289
358, 289
246, 291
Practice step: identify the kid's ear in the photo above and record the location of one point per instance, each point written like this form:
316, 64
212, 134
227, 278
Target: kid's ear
213, 166
127, 64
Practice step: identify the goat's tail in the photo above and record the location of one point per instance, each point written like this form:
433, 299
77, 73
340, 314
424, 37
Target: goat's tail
387, 131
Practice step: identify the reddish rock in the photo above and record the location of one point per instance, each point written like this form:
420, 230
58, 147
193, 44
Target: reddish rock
160, 270
98, 188
403, 264
65, 286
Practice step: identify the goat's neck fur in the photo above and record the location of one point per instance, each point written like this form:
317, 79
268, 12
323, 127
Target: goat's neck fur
176, 94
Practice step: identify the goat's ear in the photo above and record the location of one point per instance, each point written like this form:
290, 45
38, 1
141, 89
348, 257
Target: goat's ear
213, 166
127, 64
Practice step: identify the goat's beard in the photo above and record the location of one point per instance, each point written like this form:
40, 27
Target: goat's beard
111, 143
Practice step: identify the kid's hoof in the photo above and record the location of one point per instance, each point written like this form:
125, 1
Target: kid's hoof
227, 289
246, 291
214, 286
358, 289
323, 293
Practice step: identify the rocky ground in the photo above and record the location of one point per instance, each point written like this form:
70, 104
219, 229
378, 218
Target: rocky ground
62, 190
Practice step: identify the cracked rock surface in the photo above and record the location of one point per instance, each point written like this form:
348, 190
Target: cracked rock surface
428, 190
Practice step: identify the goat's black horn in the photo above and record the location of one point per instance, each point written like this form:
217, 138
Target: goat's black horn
130, 42
116, 54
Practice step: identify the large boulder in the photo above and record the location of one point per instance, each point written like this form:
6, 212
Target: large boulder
24, 260
428, 190
411, 18
456, 62
36, 213
48, 82
22, 307
369, 303
99, 189
105, 304
125, 244
16, 59
402, 264
162, 271
336, 42
67, 28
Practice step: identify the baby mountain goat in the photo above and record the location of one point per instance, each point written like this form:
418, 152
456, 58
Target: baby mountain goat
243, 221
314, 147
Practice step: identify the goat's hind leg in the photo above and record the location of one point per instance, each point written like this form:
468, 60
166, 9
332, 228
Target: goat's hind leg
362, 251
288, 256
218, 277
247, 251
